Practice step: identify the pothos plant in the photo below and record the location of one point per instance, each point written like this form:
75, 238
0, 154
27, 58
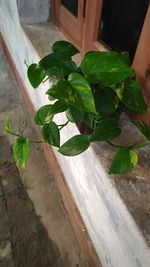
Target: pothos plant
96, 92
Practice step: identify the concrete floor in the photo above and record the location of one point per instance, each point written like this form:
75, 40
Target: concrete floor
34, 227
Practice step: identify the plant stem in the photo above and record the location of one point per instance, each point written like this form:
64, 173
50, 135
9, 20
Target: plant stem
145, 143
26, 63
46, 79
110, 143
30, 140
95, 122
63, 125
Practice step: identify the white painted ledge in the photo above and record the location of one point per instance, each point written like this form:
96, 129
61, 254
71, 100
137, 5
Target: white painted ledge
114, 233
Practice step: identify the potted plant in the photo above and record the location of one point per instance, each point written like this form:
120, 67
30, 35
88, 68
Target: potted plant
96, 93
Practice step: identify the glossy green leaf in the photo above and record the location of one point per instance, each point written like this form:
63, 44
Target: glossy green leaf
60, 90
59, 106
107, 129
54, 71
43, 115
69, 116
82, 93
144, 129
6, 127
63, 66
76, 92
106, 101
51, 98
89, 119
75, 115
131, 95
74, 146
64, 47
124, 160
105, 68
21, 149
125, 56
35, 75
50, 134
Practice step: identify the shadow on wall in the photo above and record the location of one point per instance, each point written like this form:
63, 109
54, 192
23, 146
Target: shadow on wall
33, 11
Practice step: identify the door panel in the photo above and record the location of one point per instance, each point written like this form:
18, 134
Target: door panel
69, 19
72, 6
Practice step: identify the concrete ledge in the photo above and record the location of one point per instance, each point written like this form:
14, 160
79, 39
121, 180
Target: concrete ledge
76, 219
106, 212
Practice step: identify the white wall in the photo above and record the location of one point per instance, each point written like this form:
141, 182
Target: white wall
116, 238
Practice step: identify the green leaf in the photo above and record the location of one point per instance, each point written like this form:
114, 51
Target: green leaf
43, 115
105, 68
76, 92
76, 115
144, 129
124, 160
131, 95
35, 75
74, 146
64, 47
60, 90
59, 106
51, 98
6, 127
54, 71
107, 129
106, 101
69, 116
21, 149
89, 119
125, 56
50, 134
83, 96
57, 64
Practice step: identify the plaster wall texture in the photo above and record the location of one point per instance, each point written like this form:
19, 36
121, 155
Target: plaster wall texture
34, 11
114, 233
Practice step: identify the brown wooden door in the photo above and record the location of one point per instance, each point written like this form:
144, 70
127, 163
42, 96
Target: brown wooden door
141, 64
69, 17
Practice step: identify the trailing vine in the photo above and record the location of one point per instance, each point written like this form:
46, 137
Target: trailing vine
95, 93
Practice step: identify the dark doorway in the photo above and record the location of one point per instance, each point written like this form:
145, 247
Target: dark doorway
121, 24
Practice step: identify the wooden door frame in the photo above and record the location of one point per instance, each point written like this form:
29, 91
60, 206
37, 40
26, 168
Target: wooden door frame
93, 15
61, 16
141, 65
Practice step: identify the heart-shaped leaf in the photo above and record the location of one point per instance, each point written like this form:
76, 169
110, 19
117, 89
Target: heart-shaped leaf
125, 56
74, 146
89, 119
21, 149
74, 115
106, 101
59, 106
82, 93
107, 129
60, 90
144, 129
63, 66
64, 47
131, 95
105, 68
43, 115
35, 75
50, 133
124, 160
